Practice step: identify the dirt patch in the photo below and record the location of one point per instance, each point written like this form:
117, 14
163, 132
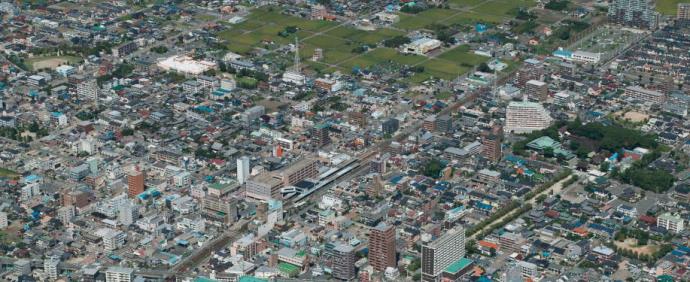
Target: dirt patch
633, 116
631, 244
271, 106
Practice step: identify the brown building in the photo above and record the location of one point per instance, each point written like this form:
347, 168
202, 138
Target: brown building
301, 170
382, 247
78, 199
135, 182
491, 145
320, 135
358, 118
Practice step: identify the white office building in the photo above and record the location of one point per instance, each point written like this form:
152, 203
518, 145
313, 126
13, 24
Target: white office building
242, 169
442, 252
525, 117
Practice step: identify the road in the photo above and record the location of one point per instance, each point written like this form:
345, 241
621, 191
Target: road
556, 188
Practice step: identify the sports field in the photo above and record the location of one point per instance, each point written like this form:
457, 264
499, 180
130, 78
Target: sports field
50, 62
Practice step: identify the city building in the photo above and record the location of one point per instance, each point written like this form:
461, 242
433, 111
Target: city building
320, 135
671, 222
390, 126
491, 145
382, 247
683, 12
3, 220
442, 252
223, 210
342, 258
119, 274
124, 49
634, 13
87, 90
242, 169
263, 187
135, 182
422, 46
536, 90
644, 95
525, 117
305, 168
51, 266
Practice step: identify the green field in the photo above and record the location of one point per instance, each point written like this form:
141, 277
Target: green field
503, 7
464, 3
669, 7
7, 173
485, 12
424, 19
461, 55
261, 28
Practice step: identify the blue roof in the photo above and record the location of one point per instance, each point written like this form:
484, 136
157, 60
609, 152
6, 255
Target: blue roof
31, 178
563, 53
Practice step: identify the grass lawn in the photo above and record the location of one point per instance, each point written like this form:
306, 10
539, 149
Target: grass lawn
443, 69
462, 55
381, 55
425, 18
464, 3
473, 17
502, 7
668, 7
443, 95
8, 173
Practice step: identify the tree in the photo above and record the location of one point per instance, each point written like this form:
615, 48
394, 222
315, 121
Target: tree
483, 67
433, 168
396, 41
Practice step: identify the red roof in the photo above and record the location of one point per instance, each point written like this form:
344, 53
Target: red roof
552, 214
488, 244
648, 219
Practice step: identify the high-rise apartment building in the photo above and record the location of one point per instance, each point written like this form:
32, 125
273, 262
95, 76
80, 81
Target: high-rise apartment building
87, 89
536, 90
491, 146
242, 169
342, 258
320, 135
382, 247
634, 13
525, 117
135, 182
683, 12
51, 267
442, 252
